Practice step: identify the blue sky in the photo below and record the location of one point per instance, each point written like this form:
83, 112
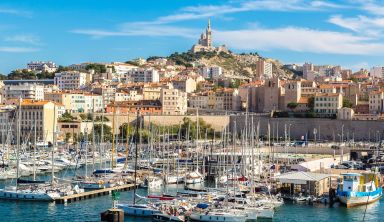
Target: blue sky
345, 32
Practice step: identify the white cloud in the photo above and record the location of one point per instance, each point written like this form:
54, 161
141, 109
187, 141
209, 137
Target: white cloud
135, 29
24, 38
205, 11
300, 40
16, 12
17, 49
371, 26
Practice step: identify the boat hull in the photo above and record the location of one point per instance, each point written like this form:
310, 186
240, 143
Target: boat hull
357, 201
138, 211
209, 218
24, 196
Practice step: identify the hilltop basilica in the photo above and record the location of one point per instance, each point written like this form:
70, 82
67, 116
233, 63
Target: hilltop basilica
205, 42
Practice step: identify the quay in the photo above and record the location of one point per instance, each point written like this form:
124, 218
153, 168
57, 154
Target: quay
93, 193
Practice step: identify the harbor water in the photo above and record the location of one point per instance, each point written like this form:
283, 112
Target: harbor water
90, 209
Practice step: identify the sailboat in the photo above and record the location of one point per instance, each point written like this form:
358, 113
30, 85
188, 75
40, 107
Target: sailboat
142, 210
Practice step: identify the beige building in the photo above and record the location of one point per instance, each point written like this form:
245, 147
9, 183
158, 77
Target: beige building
224, 99
292, 90
376, 102
173, 101
269, 95
187, 85
43, 115
153, 91
198, 100
327, 104
308, 88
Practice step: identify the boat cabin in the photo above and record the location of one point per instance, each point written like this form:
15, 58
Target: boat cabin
359, 182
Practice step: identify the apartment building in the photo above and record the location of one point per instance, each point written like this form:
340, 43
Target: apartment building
198, 100
377, 72
24, 90
187, 85
327, 104
145, 75
173, 101
77, 102
376, 102
264, 68
211, 72
71, 80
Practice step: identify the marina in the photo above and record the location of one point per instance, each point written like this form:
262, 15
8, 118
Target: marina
195, 176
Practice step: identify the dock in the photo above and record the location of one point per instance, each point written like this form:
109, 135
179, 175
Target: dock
93, 194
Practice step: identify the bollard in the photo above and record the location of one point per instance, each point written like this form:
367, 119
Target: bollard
113, 215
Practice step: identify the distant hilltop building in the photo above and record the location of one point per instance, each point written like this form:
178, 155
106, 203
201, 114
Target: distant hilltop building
205, 42
42, 66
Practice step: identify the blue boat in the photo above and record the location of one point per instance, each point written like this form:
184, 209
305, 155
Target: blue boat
359, 189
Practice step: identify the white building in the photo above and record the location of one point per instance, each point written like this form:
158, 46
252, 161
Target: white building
377, 72
42, 66
69, 80
264, 68
213, 72
141, 75
25, 91
122, 68
77, 102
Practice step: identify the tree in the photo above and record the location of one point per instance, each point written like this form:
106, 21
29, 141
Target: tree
66, 117
347, 103
99, 119
67, 137
134, 63
311, 103
292, 105
75, 137
86, 116
235, 83
98, 68
3, 77
63, 68
107, 132
21, 74
45, 75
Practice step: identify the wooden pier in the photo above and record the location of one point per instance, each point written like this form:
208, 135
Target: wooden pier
93, 193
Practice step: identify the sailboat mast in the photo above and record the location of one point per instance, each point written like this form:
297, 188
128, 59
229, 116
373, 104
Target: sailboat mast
113, 138
136, 153
34, 153
53, 141
18, 143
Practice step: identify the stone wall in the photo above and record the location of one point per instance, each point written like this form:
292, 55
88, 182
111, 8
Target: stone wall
326, 129
217, 122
